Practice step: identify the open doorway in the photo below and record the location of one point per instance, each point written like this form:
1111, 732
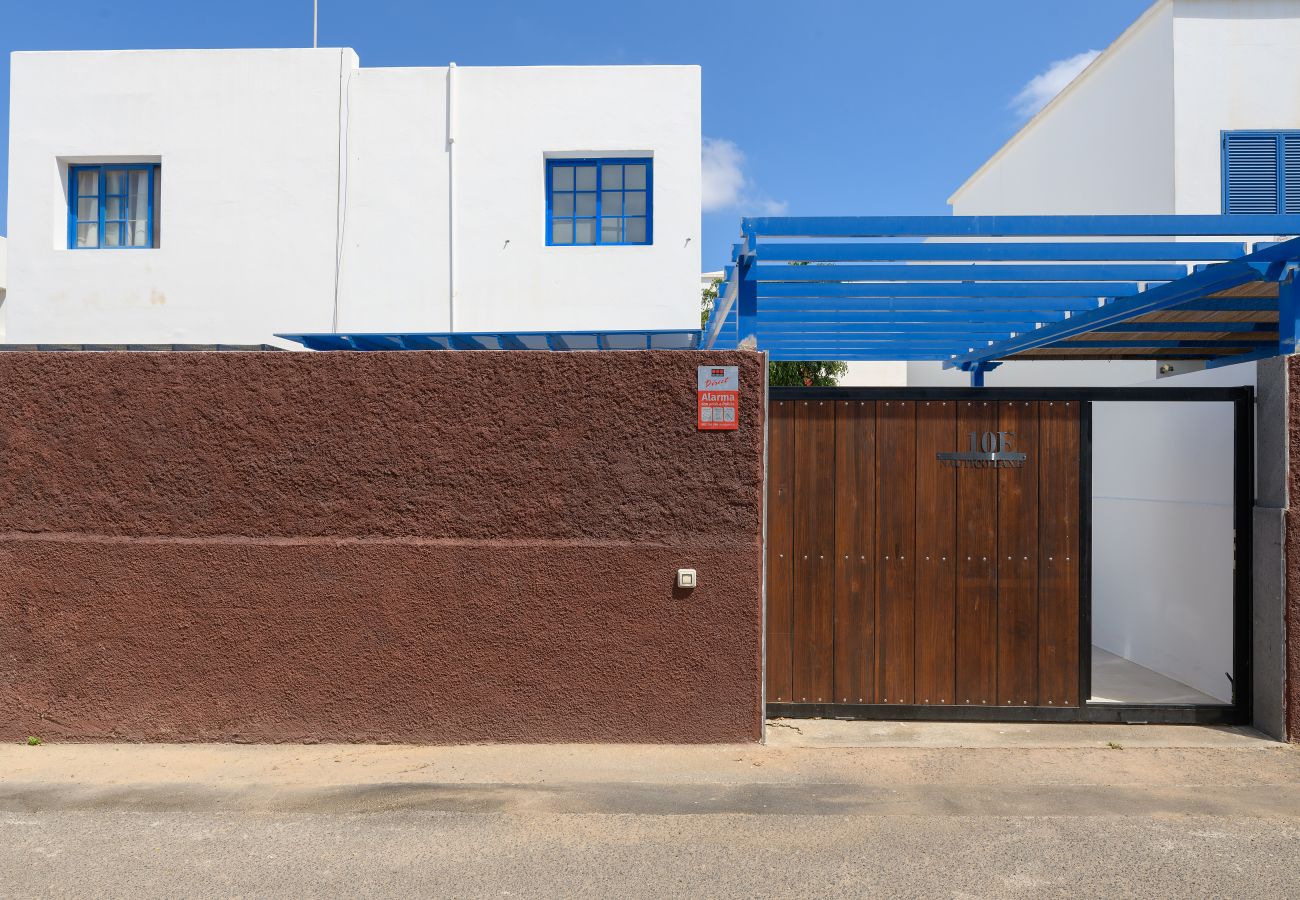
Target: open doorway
1164, 586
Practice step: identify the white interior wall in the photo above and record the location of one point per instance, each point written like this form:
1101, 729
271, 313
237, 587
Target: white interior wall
1162, 556
875, 374
1037, 373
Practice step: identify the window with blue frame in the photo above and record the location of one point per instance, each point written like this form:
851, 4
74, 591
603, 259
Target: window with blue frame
113, 206
1261, 172
599, 201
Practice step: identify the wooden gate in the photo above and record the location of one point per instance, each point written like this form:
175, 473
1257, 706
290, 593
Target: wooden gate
923, 552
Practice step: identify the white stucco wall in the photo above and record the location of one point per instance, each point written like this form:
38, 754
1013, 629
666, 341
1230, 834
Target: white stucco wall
393, 273
1236, 67
248, 141
506, 121
1105, 145
299, 189
4, 280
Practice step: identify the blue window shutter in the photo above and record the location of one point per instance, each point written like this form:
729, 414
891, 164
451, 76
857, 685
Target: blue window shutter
1291, 173
1250, 169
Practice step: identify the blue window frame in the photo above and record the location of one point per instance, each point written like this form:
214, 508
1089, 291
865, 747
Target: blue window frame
599, 201
111, 207
1261, 172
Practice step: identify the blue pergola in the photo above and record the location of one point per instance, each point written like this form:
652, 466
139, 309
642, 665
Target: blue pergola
974, 291
501, 340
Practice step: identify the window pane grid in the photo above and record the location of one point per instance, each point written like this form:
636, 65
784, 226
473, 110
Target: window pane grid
598, 201
111, 206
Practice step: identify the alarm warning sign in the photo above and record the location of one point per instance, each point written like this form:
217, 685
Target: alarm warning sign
718, 398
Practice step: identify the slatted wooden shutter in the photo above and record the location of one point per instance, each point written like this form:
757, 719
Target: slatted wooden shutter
1291, 173
1250, 168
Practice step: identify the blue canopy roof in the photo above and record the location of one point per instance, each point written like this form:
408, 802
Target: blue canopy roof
974, 290
502, 340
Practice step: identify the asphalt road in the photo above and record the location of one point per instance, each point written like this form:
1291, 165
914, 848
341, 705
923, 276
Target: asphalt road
1217, 815
441, 854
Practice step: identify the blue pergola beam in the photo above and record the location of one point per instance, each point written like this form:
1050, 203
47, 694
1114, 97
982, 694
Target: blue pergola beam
468, 342
1228, 304
375, 342
722, 306
1215, 278
1126, 251
872, 338
910, 311
970, 290
422, 342
781, 353
1157, 344
975, 309
513, 342
1207, 327
954, 327
1006, 321
966, 272
1288, 314
320, 341
1017, 226
899, 309
685, 338
1232, 359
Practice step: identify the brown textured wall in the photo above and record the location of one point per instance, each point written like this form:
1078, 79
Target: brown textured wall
432, 547
1292, 689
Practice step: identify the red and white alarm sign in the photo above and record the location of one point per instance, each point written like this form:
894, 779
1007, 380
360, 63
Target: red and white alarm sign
718, 395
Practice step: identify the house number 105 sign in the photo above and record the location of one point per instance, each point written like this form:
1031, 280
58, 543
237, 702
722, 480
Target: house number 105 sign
985, 450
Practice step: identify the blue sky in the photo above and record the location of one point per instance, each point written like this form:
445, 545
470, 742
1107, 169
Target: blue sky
812, 108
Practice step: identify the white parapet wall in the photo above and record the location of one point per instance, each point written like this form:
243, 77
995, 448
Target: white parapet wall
300, 192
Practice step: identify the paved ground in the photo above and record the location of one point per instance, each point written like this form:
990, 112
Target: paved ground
827, 808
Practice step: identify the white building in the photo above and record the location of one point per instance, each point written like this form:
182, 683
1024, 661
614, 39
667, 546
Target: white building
1145, 129
4, 280
222, 196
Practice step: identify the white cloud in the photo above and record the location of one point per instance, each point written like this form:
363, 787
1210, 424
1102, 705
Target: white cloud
1047, 84
725, 185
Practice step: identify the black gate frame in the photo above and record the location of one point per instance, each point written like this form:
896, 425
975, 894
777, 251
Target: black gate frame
1238, 712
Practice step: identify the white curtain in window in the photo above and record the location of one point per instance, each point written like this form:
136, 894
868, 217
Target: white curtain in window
138, 209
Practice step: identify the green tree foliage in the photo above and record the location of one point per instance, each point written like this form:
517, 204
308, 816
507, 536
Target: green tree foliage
707, 298
805, 374
782, 374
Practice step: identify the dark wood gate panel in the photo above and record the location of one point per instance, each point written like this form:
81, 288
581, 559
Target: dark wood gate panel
936, 555
855, 529
894, 578
977, 582
1058, 554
